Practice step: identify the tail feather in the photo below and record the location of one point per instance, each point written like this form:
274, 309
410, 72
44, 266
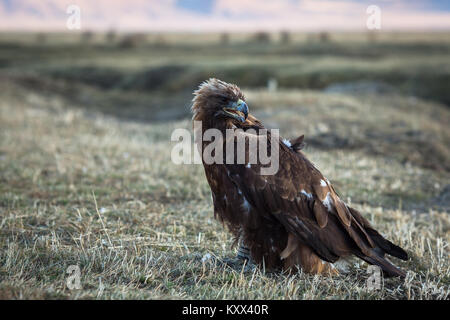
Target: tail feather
380, 246
386, 245
388, 268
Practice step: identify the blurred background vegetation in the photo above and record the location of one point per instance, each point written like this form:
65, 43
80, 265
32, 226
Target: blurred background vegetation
138, 66
151, 76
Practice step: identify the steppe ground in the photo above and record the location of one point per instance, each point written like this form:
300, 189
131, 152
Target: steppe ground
86, 178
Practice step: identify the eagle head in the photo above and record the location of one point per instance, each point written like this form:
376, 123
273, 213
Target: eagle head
215, 98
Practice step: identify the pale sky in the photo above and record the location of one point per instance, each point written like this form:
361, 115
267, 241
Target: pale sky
224, 15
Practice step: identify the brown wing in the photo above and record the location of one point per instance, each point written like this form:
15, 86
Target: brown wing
306, 204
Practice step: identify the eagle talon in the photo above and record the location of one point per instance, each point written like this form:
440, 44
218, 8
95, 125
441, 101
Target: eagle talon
238, 263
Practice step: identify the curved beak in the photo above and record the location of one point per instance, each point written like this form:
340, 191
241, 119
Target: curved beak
237, 110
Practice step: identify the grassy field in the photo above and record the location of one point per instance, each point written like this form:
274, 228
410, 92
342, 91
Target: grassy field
86, 177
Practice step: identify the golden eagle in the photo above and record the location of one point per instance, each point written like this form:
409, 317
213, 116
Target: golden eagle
293, 218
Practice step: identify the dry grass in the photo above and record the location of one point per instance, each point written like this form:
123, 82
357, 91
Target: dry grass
84, 189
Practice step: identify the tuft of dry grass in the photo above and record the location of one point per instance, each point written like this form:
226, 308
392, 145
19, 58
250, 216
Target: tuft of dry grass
89, 190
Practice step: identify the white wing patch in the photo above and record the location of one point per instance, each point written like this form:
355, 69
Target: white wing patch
307, 194
287, 143
245, 205
328, 202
